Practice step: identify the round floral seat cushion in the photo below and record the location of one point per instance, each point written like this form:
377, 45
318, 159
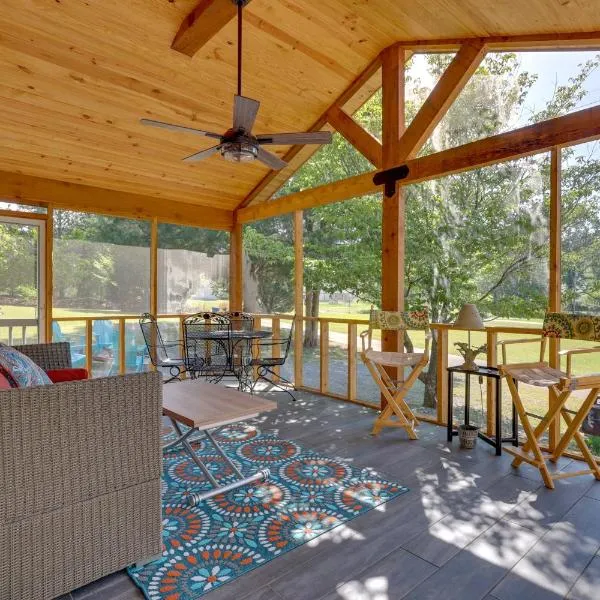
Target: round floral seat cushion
20, 370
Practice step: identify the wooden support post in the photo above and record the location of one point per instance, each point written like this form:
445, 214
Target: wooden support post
236, 268
492, 361
48, 276
352, 353
392, 256
554, 284
324, 355
298, 296
154, 267
442, 374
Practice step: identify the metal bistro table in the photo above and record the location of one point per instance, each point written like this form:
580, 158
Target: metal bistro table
491, 373
230, 340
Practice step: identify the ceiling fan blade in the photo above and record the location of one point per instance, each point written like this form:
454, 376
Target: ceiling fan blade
202, 154
244, 113
290, 139
172, 127
271, 160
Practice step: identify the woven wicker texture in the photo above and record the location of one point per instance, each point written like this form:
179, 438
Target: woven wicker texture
81, 464
49, 356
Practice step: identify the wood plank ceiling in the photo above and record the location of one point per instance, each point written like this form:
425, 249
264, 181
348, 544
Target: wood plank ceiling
77, 75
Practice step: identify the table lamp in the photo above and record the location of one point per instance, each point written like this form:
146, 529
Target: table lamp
469, 318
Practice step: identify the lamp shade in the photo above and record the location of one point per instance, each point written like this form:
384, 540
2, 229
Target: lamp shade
469, 318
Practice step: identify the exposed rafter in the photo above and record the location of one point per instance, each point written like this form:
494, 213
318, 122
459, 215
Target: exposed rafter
447, 89
366, 143
72, 196
202, 24
575, 128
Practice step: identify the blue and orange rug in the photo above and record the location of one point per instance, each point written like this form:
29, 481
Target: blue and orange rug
228, 535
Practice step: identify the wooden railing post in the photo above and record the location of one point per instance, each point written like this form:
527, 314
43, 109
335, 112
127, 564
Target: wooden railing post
276, 349
352, 333
122, 347
442, 374
492, 361
88, 345
324, 355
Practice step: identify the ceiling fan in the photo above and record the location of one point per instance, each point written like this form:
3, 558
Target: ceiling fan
239, 144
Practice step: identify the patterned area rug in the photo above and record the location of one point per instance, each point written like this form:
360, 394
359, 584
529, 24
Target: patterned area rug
228, 535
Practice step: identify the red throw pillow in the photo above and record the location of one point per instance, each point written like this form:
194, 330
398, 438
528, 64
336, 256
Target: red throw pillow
4, 382
59, 375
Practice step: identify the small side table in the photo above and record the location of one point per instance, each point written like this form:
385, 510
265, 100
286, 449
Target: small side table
489, 372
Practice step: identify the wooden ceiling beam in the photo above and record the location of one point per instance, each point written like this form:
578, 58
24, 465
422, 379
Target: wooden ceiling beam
202, 24
85, 198
575, 128
445, 92
366, 143
588, 40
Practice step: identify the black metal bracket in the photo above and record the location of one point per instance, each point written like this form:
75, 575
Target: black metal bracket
389, 177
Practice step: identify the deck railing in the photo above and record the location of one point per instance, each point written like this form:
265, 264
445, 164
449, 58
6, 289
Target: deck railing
346, 338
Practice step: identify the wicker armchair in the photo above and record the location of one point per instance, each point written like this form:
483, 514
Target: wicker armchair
80, 472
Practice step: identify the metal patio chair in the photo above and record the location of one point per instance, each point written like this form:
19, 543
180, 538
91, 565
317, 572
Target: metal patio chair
396, 413
163, 355
207, 341
561, 384
265, 363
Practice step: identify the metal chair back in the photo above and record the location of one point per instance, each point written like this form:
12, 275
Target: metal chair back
155, 345
207, 339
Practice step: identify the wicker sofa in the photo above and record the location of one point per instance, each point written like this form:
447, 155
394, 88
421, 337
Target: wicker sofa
80, 466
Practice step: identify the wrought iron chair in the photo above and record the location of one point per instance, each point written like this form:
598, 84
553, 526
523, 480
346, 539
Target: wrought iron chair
240, 321
163, 355
207, 340
395, 391
276, 351
561, 385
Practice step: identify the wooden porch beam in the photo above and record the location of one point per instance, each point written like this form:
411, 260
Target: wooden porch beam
202, 24
72, 196
366, 143
576, 128
440, 99
587, 40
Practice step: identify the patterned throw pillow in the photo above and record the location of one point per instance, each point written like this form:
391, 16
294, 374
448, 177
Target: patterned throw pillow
20, 370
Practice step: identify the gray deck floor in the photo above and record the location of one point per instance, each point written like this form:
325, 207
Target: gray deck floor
470, 528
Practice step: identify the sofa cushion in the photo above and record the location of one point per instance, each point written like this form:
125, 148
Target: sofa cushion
59, 375
20, 370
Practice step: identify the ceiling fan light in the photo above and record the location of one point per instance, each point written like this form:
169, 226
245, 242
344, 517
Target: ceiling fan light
239, 151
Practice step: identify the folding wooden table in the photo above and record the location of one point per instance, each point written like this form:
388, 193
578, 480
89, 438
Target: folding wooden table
207, 408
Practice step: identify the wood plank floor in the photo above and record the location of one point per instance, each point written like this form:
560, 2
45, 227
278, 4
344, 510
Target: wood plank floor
470, 528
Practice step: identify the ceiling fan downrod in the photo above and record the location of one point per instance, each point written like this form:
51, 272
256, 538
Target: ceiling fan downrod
240, 5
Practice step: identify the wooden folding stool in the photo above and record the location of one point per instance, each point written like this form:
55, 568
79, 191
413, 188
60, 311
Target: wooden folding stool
562, 385
396, 413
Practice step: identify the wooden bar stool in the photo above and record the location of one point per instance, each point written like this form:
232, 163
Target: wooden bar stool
562, 384
397, 413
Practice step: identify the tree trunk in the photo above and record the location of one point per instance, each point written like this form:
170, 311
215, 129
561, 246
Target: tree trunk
429, 377
311, 328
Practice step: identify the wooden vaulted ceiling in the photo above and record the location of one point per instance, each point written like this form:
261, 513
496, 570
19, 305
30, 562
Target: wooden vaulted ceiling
76, 76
